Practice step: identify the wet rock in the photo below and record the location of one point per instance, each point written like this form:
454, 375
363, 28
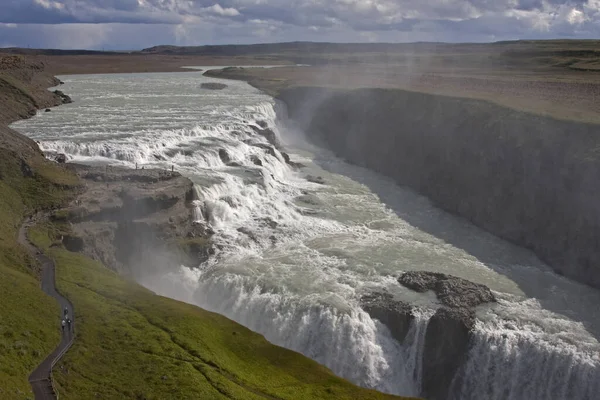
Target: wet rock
269, 149
272, 224
448, 332
262, 124
234, 164
315, 179
256, 161
268, 134
47, 110
224, 156
289, 162
63, 97
137, 221
307, 212
446, 350
230, 200
61, 158
248, 233
213, 86
309, 199
159, 157
451, 291
394, 314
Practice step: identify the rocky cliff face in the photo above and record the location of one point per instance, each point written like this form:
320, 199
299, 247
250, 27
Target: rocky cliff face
448, 334
530, 179
23, 90
136, 221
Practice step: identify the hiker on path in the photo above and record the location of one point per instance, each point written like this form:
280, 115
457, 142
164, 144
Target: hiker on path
66, 311
69, 323
63, 323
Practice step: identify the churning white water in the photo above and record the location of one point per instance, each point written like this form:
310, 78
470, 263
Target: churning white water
295, 256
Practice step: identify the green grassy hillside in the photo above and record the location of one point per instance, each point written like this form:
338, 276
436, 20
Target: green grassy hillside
29, 319
132, 343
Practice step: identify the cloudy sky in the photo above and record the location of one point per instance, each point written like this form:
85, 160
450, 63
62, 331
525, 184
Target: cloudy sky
135, 24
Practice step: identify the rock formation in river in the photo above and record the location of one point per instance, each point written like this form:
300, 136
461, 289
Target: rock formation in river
394, 314
213, 86
527, 178
137, 221
447, 337
451, 291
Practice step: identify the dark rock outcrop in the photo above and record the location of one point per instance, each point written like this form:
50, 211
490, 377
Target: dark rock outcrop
60, 158
394, 314
527, 178
256, 161
268, 134
448, 332
248, 233
224, 156
65, 99
446, 349
291, 163
137, 221
268, 149
315, 179
451, 291
47, 110
213, 86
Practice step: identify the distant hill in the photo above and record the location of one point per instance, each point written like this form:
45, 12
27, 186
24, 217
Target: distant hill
53, 52
325, 47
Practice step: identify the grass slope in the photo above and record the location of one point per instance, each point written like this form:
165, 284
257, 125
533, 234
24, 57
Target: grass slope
29, 319
132, 343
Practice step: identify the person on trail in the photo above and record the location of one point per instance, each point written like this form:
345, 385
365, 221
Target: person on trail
69, 323
63, 323
66, 311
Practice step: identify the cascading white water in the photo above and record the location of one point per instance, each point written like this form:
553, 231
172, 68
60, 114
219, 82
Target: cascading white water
511, 360
294, 256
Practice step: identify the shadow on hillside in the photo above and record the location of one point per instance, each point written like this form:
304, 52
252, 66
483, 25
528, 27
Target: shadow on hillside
555, 293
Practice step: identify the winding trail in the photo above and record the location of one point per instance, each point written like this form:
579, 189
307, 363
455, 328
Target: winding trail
41, 378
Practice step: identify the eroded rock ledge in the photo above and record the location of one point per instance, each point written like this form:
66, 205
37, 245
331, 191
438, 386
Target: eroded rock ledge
451, 291
136, 221
448, 332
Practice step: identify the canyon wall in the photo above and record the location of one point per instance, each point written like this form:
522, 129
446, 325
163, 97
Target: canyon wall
530, 179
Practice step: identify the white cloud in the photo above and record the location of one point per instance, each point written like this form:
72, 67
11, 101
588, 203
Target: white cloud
226, 12
49, 4
575, 17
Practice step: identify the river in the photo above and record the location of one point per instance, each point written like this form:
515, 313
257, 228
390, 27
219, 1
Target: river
294, 256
